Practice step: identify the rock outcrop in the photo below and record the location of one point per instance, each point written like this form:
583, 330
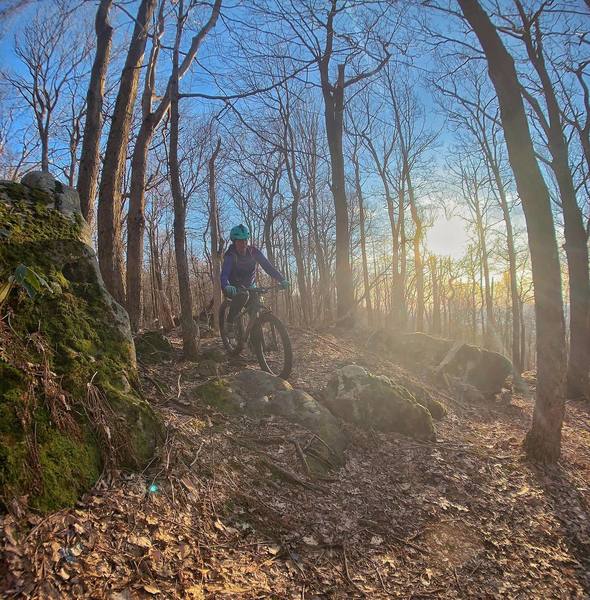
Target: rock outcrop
483, 369
259, 394
376, 402
352, 394
152, 347
68, 403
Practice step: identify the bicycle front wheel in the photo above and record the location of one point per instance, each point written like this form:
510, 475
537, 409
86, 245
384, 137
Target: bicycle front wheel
233, 345
273, 346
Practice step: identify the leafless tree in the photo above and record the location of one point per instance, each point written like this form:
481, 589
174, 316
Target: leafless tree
543, 441
110, 243
531, 33
52, 52
90, 156
217, 242
151, 118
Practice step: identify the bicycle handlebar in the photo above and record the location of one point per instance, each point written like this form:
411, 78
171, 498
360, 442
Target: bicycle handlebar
262, 290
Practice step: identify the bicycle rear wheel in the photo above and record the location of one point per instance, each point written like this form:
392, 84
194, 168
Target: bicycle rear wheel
273, 346
234, 345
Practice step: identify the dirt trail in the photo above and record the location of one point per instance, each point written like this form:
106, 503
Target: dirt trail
464, 517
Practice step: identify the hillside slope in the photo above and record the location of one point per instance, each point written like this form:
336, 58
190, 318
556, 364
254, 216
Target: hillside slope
229, 511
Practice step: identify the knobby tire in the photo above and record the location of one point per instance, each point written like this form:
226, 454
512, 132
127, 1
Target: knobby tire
286, 341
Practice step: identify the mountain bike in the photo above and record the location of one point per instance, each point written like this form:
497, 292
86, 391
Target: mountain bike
263, 331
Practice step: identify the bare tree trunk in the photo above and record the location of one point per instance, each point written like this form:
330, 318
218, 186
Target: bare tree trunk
90, 157
400, 286
135, 216
45, 150
323, 270
291, 165
334, 120
490, 336
73, 148
189, 332
543, 442
436, 329
164, 312
216, 241
334, 114
416, 243
110, 243
359, 195
523, 357
299, 262
576, 238
397, 297
576, 248
406, 176
151, 118
514, 298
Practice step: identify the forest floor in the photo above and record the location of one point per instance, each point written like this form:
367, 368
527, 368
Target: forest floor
463, 517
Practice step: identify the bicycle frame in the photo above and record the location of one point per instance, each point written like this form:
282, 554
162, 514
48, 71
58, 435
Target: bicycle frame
253, 307
264, 333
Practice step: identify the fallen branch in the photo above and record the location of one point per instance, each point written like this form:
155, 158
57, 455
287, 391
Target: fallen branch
276, 469
154, 382
347, 572
315, 454
301, 456
285, 474
409, 544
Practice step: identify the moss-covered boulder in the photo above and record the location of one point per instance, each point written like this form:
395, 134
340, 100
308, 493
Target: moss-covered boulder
152, 346
423, 395
376, 402
259, 394
68, 400
481, 368
218, 394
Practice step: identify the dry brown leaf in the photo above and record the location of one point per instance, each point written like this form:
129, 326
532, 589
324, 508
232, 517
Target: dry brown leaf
78, 528
195, 592
140, 540
151, 589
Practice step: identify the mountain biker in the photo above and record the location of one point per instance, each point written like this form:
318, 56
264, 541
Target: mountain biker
239, 271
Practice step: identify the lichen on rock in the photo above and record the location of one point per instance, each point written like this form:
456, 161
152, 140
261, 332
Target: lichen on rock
56, 347
259, 394
478, 367
152, 346
376, 402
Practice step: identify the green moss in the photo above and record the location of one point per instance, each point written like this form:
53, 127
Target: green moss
213, 354
36, 223
12, 386
152, 346
217, 393
68, 468
15, 478
81, 342
138, 423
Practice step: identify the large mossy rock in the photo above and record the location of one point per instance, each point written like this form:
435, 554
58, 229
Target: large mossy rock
376, 402
483, 369
153, 347
259, 394
68, 400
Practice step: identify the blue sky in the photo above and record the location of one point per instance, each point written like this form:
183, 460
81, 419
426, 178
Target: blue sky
446, 236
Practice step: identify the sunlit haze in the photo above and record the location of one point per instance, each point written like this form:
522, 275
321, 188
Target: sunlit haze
447, 237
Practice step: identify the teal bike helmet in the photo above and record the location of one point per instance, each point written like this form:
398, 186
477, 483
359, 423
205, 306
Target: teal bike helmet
239, 232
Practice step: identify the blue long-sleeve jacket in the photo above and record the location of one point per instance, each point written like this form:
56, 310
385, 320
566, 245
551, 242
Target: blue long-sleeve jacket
240, 270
